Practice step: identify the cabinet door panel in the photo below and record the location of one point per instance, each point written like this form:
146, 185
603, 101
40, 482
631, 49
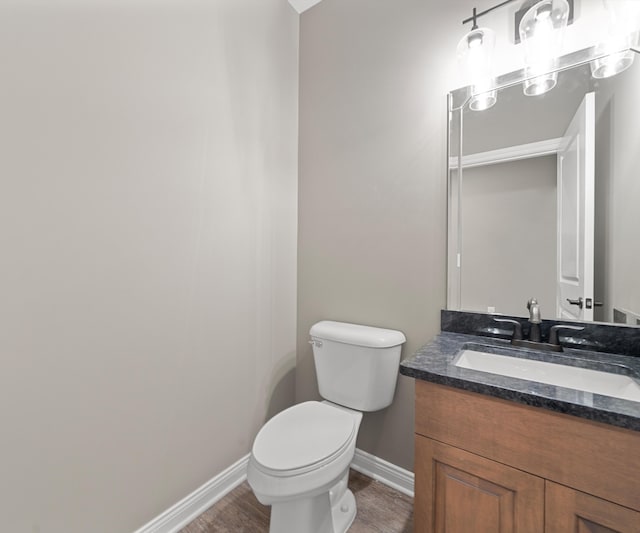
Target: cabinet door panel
465, 502
458, 492
571, 511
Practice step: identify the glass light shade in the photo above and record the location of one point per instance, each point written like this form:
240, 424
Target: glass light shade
623, 32
542, 33
475, 58
480, 102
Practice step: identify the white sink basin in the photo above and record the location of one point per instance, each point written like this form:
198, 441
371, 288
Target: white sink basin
595, 381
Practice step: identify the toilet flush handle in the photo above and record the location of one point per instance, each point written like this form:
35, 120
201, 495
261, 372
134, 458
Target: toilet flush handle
316, 343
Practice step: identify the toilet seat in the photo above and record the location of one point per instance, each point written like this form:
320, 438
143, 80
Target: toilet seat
302, 438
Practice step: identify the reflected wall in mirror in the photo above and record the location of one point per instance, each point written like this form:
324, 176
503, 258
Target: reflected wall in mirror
544, 200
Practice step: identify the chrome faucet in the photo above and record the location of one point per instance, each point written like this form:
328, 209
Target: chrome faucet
535, 320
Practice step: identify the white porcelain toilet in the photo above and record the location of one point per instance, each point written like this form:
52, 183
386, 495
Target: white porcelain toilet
300, 458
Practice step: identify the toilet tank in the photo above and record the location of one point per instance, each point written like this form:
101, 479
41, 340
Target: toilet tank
356, 366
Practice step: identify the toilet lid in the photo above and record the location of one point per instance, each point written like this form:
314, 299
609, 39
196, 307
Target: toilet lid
303, 435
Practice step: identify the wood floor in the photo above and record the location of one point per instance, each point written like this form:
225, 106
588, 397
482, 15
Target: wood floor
380, 510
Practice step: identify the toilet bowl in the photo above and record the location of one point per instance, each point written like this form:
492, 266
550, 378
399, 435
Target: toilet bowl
300, 465
300, 458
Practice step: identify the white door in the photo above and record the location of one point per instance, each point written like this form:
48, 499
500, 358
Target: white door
575, 215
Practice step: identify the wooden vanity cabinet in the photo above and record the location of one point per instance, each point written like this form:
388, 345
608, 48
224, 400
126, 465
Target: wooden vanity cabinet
485, 465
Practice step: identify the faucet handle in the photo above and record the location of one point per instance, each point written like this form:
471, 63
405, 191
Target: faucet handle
517, 327
553, 332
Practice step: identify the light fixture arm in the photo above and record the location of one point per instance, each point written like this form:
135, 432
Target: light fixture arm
474, 18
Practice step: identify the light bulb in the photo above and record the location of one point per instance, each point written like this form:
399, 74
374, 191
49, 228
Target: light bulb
475, 58
541, 32
543, 12
474, 40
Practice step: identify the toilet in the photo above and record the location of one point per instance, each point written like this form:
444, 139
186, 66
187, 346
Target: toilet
300, 458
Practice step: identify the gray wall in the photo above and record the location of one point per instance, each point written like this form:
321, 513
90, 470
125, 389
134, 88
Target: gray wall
148, 204
372, 190
509, 215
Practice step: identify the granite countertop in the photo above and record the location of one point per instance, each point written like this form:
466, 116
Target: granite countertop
434, 363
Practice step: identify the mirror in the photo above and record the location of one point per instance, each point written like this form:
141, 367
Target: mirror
544, 197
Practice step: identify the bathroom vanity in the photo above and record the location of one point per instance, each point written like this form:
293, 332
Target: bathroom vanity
498, 454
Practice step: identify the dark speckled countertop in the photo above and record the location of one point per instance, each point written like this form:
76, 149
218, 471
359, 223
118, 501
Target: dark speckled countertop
434, 363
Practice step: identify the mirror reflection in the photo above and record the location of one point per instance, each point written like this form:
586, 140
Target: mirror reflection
544, 200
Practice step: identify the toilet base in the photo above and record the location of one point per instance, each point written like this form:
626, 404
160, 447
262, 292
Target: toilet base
344, 513
329, 512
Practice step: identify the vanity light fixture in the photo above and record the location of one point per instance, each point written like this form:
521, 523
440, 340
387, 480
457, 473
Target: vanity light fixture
542, 32
475, 56
538, 24
623, 32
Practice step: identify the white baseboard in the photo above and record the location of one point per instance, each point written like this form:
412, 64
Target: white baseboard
196, 503
391, 475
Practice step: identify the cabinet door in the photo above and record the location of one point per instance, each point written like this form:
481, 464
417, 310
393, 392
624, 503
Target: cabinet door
459, 492
571, 511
